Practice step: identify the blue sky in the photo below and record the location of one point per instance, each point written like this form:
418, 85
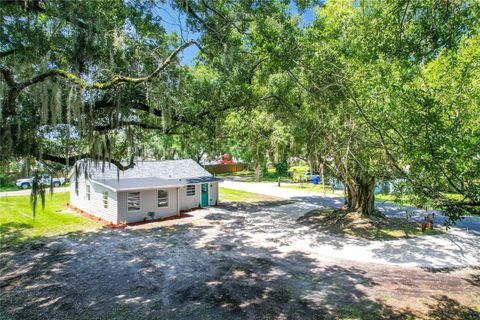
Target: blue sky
174, 21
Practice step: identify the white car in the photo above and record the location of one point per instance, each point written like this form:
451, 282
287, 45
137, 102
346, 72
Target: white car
310, 177
45, 180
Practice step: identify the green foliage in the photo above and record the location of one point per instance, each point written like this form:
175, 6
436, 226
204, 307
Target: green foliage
281, 168
369, 90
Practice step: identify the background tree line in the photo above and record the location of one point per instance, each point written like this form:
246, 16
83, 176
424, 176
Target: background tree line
367, 90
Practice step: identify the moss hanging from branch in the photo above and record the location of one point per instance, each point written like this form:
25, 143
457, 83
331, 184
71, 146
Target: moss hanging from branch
45, 103
104, 85
56, 105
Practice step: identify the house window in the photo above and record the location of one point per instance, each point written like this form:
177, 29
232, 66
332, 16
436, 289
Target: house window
88, 192
162, 197
105, 199
133, 201
191, 190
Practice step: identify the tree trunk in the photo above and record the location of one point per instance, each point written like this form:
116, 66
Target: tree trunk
257, 172
360, 194
323, 178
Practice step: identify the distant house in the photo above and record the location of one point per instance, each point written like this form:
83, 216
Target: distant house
151, 189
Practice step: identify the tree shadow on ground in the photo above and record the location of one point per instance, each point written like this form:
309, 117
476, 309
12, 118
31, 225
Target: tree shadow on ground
12, 233
347, 224
475, 278
213, 271
449, 309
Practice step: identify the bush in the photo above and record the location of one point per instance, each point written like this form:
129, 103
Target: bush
281, 168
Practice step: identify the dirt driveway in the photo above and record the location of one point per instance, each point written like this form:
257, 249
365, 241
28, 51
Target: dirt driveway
223, 263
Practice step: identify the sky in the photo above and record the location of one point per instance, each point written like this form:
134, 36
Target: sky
174, 21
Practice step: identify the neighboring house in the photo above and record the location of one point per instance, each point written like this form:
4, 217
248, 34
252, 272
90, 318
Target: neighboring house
155, 189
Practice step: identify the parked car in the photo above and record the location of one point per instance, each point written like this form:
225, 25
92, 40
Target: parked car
45, 180
312, 176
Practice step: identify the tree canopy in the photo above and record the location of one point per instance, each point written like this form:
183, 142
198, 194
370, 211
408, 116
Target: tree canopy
369, 90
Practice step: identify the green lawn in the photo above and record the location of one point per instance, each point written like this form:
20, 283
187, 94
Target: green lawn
269, 176
13, 187
301, 169
17, 224
243, 173
238, 196
249, 176
8, 187
390, 198
310, 187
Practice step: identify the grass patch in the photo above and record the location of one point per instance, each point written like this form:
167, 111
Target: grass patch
13, 187
372, 228
245, 197
17, 224
244, 173
8, 187
269, 176
310, 187
301, 169
249, 176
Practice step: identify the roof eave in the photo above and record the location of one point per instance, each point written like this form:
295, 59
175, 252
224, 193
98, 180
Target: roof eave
150, 188
137, 188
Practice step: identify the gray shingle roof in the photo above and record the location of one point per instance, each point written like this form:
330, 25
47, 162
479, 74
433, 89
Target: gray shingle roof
140, 183
167, 169
150, 174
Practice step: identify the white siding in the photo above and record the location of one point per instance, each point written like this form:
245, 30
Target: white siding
117, 202
213, 193
189, 202
94, 206
149, 203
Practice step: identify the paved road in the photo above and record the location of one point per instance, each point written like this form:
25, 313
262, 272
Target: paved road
28, 191
469, 223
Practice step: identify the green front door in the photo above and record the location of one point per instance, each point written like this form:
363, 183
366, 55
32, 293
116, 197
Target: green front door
204, 194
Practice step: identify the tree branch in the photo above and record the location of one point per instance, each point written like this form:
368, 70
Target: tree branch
143, 125
27, 5
8, 76
72, 159
105, 85
6, 53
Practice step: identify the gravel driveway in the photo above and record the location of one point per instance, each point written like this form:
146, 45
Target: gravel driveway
231, 262
457, 248
468, 223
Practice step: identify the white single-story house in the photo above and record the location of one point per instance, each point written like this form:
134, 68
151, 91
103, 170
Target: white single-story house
149, 190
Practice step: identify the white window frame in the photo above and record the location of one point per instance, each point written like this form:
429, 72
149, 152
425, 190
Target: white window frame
88, 190
105, 199
139, 199
167, 198
189, 190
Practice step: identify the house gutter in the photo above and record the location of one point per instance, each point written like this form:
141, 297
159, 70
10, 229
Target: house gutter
134, 189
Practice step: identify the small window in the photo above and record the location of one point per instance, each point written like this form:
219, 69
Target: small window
88, 192
162, 198
133, 201
105, 199
191, 190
